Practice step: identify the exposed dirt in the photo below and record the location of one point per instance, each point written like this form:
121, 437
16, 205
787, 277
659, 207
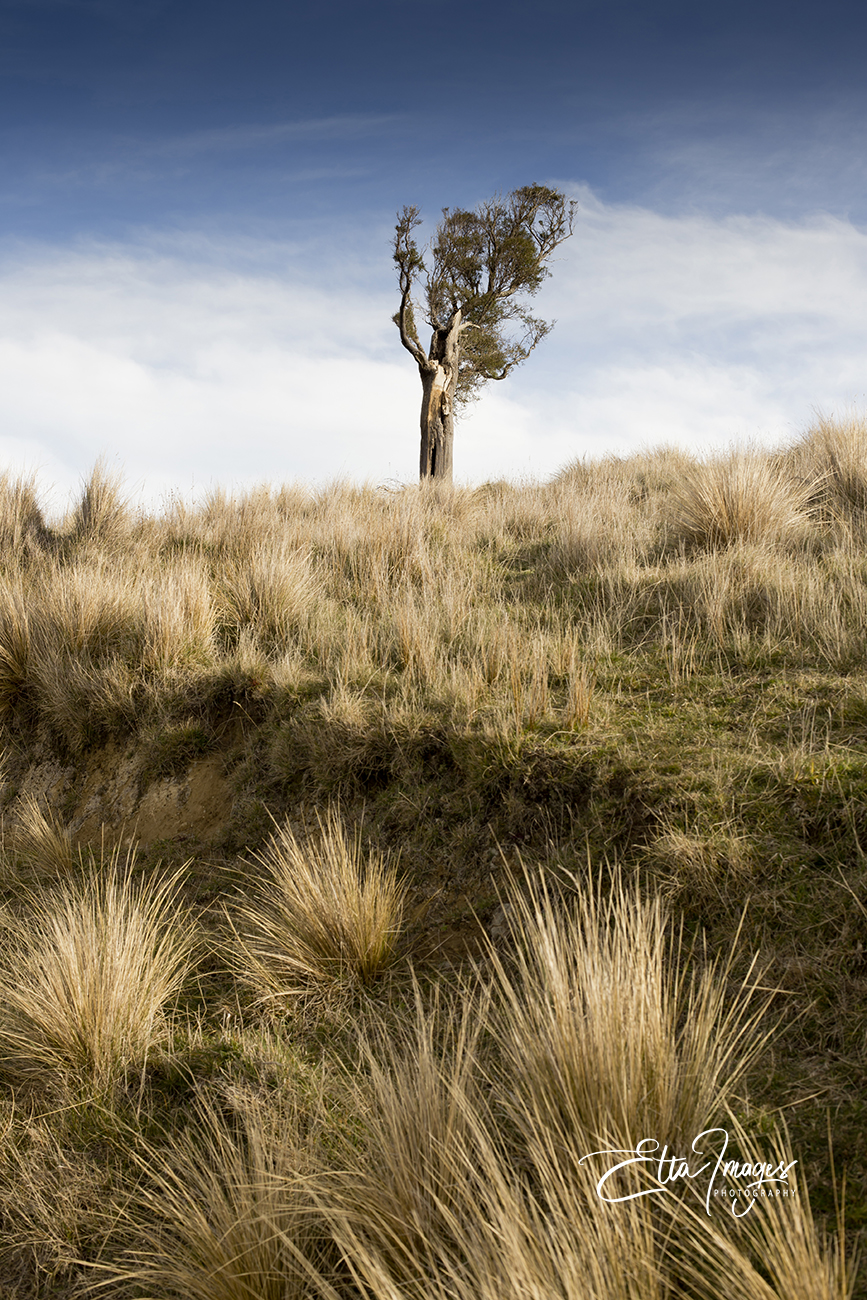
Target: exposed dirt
108, 799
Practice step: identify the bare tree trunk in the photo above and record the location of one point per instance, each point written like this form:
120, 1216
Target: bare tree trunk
437, 428
439, 376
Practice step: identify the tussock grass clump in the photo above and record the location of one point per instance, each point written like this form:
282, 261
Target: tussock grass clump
178, 616
41, 843
604, 514
798, 1257
82, 636
609, 1035
324, 916
14, 642
702, 864
267, 591
421, 1097
102, 514
224, 1211
23, 531
437, 1201
87, 972
832, 455
86, 609
479, 1116
774, 1249
743, 497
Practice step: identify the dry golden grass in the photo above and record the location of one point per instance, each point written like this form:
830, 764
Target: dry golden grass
267, 591
23, 532
53, 1201
322, 917
420, 1098
486, 1236
101, 515
603, 517
179, 616
771, 1251
483, 650
14, 642
460, 1173
40, 843
225, 1211
467, 602
610, 1037
469, 1180
702, 865
832, 456
745, 496
88, 973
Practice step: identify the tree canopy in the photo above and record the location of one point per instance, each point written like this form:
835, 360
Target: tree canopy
482, 266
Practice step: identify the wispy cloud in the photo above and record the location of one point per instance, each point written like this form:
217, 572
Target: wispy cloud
737, 154
267, 135
230, 169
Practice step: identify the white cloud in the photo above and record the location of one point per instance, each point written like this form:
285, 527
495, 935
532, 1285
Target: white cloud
697, 331
236, 370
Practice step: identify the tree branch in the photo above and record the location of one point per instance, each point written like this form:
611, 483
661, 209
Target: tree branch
410, 263
404, 322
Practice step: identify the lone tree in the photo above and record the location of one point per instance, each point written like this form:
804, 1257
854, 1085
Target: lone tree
483, 265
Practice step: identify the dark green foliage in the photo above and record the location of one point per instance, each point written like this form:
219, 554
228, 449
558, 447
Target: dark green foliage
484, 263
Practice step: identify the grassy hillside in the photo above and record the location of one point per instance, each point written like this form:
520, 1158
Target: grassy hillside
479, 831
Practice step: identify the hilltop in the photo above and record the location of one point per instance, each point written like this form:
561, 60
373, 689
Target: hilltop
649, 674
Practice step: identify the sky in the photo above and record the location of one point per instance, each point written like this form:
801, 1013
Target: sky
197, 202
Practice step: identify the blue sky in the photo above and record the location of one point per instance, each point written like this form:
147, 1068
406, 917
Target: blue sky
196, 203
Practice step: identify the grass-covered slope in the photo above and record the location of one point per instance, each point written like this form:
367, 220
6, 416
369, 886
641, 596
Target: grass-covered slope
636, 696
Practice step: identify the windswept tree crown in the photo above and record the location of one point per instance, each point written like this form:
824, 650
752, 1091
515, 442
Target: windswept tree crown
483, 265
